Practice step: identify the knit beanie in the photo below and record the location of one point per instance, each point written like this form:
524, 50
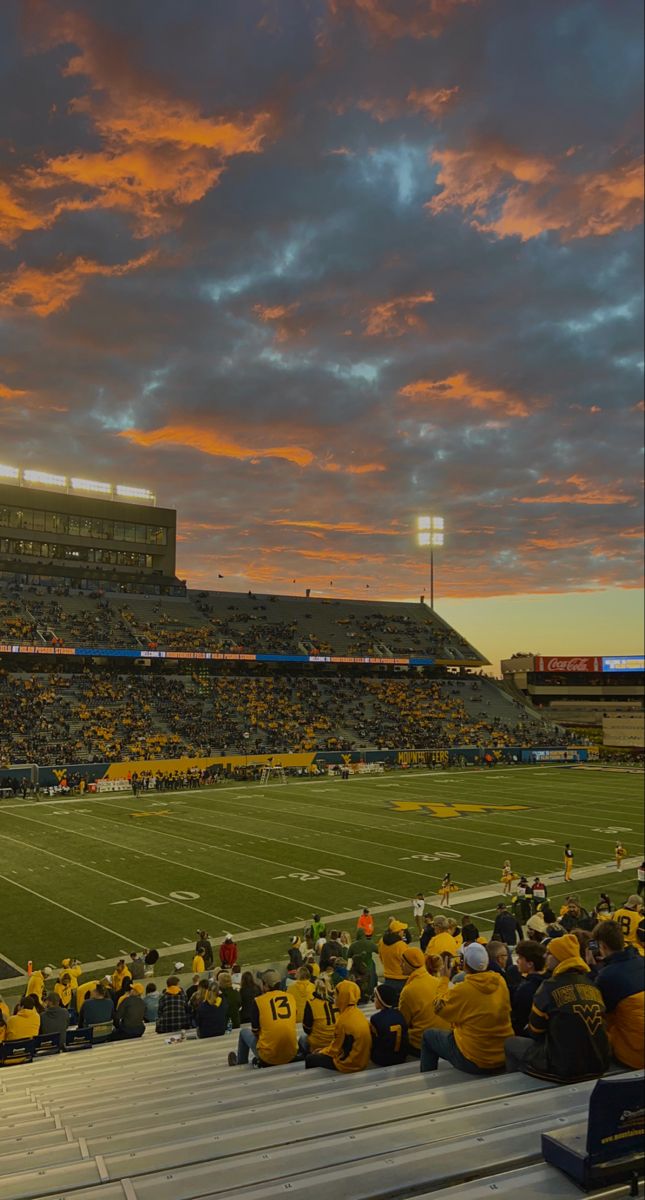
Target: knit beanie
564, 947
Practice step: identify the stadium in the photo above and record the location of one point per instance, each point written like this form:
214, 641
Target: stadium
322, 689
174, 759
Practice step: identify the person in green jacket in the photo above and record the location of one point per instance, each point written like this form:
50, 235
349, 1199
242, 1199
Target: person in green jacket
317, 929
363, 950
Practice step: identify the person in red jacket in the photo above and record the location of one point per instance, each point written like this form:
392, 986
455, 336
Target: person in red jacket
228, 953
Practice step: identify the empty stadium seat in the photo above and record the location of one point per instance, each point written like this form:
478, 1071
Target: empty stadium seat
152, 1121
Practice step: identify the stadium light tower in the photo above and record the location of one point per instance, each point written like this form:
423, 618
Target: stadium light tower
430, 532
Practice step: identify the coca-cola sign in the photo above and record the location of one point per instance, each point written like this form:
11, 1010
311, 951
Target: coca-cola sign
568, 663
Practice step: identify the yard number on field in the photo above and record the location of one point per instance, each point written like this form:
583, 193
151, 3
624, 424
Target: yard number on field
150, 903
307, 877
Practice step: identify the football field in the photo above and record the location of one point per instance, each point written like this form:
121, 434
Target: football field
96, 876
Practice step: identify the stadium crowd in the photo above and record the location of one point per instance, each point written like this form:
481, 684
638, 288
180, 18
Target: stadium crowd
224, 622
557, 995
48, 716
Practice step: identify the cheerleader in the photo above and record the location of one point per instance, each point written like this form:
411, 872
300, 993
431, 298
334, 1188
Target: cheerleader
447, 886
620, 853
507, 878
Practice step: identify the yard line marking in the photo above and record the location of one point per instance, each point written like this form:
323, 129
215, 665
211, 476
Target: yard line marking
258, 858
162, 896
372, 826
81, 916
188, 866
204, 824
15, 965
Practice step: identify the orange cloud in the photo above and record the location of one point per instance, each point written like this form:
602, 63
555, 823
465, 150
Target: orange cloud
353, 468
283, 318
336, 527
511, 194
158, 154
15, 215
217, 445
432, 101
339, 556
581, 491
381, 108
395, 317
393, 19
463, 389
7, 393
46, 292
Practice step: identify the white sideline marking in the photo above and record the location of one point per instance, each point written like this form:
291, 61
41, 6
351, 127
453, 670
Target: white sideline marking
95, 870
81, 916
188, 866
256, 857
208, 825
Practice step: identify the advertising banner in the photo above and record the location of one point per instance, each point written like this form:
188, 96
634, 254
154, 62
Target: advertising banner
214, 655
624, 662
554, 664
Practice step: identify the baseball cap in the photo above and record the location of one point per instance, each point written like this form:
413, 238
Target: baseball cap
397, 926
633, 901
179, 966
271, 978
476, 957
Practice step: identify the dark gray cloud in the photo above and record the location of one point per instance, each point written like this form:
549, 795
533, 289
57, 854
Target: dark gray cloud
309, 269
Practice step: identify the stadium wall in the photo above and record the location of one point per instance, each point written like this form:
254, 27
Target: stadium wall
51, 775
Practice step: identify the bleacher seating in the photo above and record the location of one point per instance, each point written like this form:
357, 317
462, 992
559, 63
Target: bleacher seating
99, 716
229, 622
146, 1120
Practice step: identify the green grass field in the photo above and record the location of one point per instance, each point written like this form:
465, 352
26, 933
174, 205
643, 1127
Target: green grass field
97, 876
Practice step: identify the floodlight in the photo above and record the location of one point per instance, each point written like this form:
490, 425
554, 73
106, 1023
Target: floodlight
91, 485
430, 532
134, 493
9, 472
45, 477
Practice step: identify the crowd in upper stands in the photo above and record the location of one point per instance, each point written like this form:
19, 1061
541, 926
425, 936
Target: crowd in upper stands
225, 623
558, 996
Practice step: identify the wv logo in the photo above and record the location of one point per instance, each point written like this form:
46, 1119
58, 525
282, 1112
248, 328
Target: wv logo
591, 1014
438, 809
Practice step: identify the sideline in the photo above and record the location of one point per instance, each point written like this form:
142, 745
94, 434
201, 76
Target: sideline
453, 775
465, 895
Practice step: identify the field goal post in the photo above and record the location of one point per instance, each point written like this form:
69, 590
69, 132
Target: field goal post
271, 772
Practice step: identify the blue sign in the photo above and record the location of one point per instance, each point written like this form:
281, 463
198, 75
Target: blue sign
624, 662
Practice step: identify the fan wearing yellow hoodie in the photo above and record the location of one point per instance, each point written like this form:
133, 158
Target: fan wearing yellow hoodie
25, 1023
301, 991
417, 1001
36, 984
479, 1012
350, 1049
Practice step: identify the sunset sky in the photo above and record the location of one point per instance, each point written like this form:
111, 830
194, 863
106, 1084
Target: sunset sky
308, 268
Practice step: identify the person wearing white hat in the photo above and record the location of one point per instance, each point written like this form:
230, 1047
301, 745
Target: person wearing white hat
36, 984
228, 953
479, 1013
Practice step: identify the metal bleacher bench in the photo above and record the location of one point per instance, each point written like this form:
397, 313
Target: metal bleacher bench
148, 1121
